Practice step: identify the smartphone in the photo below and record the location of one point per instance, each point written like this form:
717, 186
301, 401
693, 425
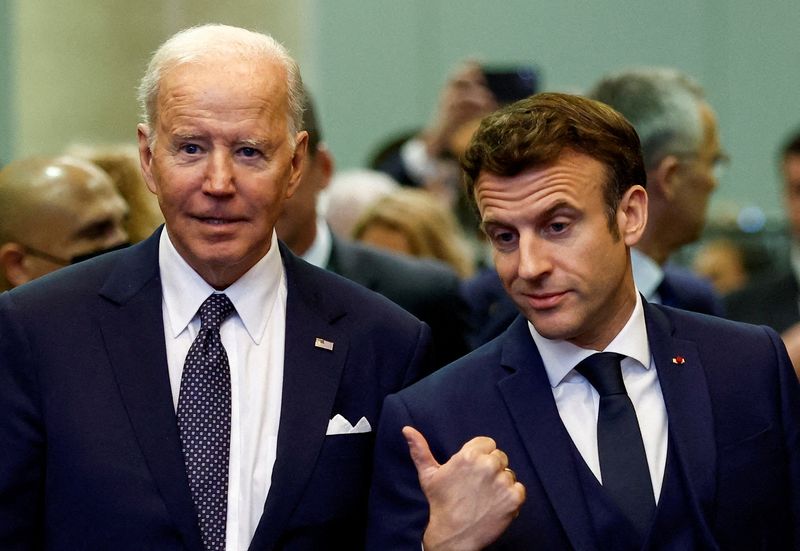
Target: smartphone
511, 83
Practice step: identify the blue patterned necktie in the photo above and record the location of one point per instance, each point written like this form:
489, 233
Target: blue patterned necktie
204, 421
623, 462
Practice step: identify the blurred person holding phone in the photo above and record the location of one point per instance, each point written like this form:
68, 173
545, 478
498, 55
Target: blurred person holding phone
428, 158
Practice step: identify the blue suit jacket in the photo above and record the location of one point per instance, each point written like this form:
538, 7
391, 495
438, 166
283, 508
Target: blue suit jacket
89, 451
734, 423
683, 289
768, 300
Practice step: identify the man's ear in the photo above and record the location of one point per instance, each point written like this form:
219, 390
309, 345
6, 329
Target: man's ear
661, 179
12, 263
323, 159
632, 215
146, 156
298, 162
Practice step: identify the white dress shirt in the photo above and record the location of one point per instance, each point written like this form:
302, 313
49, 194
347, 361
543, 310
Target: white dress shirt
578, 402
253, 338
647, 274
319, 253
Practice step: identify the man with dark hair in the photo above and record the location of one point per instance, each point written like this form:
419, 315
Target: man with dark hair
681, 149
425, 288
775, 300
596, 420
203, 389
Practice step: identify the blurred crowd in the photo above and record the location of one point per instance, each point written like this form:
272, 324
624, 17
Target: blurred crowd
402, 225
507, 331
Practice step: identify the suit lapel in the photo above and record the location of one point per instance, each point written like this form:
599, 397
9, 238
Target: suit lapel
311, 378
529, 398
684, 386
132, 326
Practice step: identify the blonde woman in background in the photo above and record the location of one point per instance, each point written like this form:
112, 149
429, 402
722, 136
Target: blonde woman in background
415, 222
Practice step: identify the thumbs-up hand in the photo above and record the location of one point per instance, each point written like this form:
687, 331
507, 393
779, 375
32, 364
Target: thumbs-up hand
473, 497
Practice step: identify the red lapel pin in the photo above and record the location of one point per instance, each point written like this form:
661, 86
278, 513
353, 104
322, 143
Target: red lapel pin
679, 360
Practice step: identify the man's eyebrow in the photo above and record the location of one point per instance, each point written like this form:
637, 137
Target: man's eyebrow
485, 224
550, 212
554, 209
185, 137
253, 142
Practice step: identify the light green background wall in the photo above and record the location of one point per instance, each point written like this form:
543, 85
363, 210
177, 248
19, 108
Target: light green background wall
6, 83
77, 63
384, 62
69, 69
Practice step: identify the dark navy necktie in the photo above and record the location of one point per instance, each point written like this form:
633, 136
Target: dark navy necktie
623, 463
204, 421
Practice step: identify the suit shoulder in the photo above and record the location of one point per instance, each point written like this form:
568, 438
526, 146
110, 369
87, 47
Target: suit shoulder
470, 373
337, 292
69, 284
684, 277
693, 292
356, 257
705, 328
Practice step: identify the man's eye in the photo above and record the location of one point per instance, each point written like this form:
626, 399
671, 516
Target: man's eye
504, 239
558, 227
190, 148
249, 151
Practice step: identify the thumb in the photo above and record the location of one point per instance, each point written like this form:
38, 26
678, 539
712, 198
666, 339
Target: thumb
420, 453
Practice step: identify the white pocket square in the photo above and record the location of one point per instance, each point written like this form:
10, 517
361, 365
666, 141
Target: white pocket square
340, 425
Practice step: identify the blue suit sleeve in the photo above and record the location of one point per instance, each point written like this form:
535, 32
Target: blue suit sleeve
22, 449
790, 409
398, 510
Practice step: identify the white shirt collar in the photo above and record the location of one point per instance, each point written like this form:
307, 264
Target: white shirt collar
319, 253
560, 357
252, 294
647, 274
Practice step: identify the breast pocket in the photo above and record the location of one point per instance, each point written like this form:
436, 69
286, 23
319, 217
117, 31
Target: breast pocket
339, 484
752, 473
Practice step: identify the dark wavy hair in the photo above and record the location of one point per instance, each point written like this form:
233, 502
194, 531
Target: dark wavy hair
534, 131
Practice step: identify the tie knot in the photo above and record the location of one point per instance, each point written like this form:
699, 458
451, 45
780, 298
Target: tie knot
604, 373
214, 310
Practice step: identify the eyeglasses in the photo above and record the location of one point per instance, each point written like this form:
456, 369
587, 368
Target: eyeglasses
719, 163
38, 253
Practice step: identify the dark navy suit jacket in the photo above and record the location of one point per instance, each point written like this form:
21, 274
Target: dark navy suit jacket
90, 456
429, 290
733, 406
683, 289
769, 300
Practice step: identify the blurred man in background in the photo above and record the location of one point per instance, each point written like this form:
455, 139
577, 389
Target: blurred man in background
54, 212
427, 289
774, 300
682, 152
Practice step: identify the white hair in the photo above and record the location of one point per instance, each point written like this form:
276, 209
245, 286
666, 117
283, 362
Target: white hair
349, 194
662, 104
198, 43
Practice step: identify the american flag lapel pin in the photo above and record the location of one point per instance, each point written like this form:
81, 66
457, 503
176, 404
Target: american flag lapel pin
319, 342
679, 360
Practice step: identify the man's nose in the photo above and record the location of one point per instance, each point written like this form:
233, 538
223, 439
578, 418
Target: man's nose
219, 174
535, 259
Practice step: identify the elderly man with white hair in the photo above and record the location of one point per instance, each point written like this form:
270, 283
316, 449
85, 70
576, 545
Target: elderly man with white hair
204, 389
683, 156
